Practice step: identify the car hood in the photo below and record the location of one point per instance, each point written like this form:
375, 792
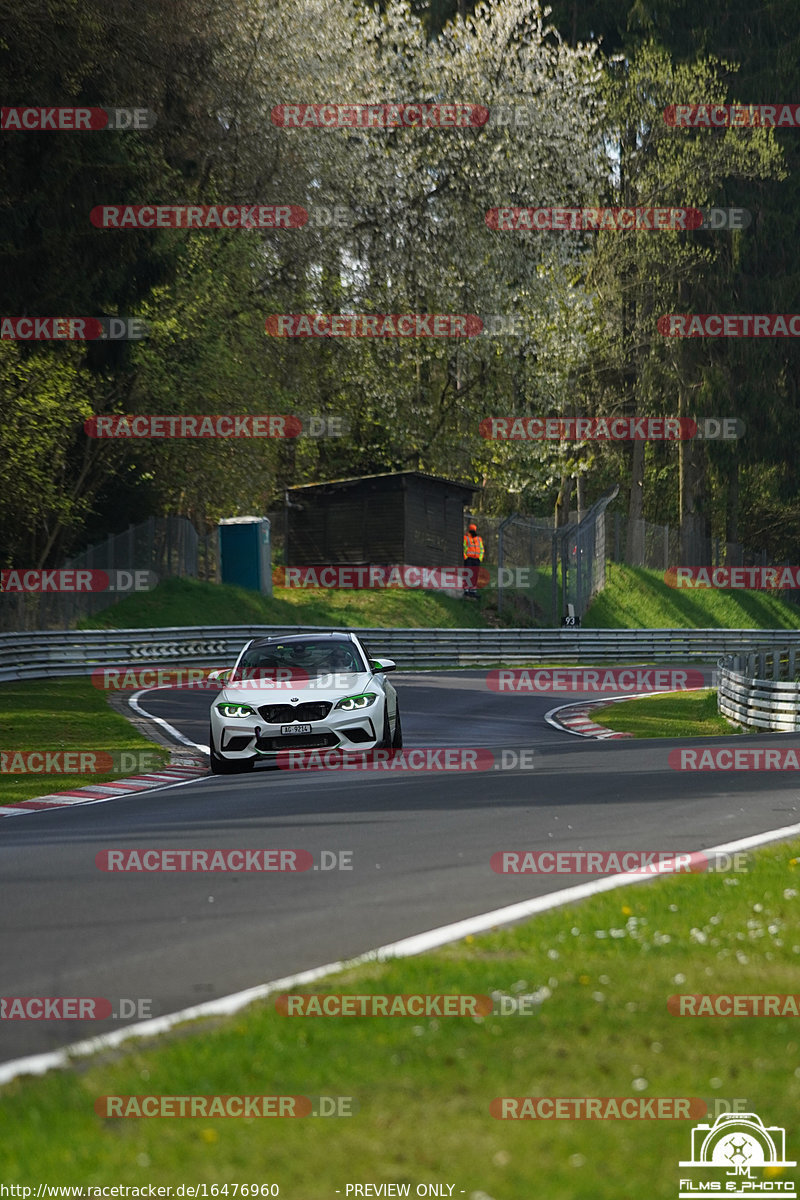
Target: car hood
325, 687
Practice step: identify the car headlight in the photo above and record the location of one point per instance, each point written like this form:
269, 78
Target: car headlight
236, 710
348, 703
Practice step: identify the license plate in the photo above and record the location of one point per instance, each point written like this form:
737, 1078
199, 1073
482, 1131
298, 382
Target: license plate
295, 729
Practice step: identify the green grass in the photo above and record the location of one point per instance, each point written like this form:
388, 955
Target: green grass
195, 602
601, 973
63, 715
634, 598
680, 714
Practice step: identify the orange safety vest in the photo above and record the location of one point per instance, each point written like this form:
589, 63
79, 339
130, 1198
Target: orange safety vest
473, 547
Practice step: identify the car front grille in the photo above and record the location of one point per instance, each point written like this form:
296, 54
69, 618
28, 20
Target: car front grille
286, 714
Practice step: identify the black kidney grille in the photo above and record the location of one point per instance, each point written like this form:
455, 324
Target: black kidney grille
286, 714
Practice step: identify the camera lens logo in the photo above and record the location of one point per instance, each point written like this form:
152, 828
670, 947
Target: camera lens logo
739, 1143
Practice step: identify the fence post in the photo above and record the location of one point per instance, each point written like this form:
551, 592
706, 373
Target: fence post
500, 560
578, 572
531, 570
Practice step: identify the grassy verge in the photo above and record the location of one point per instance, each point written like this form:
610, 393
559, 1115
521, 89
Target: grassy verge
65, 715
634, 598
194, 602
599, 973
680, 714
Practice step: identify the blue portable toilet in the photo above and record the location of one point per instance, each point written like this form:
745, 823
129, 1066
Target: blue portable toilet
245, 553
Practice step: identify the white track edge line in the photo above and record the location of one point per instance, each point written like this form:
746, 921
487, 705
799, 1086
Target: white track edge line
170, 729
418, 943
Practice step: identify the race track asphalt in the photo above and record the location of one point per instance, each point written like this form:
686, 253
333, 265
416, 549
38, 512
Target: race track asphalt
420, 846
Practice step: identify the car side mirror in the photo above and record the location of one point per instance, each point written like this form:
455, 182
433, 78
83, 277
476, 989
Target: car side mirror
220, 675
386, 665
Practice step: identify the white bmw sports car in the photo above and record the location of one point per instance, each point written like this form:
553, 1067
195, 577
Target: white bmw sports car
302, 692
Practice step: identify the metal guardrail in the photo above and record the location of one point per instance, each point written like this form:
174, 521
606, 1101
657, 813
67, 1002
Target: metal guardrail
44, 654
761, 689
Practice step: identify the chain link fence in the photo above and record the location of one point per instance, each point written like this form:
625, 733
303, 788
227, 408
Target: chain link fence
166, 546
170, 547
541, 571
642, 544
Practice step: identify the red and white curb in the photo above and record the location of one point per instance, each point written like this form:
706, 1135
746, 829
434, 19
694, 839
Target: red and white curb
574, 718
174, 773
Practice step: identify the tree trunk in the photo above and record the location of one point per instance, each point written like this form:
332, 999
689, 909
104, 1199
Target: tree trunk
732, 549
694, 551
580, 491
634, 541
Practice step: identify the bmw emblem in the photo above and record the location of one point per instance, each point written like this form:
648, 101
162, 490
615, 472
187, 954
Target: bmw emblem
294, 699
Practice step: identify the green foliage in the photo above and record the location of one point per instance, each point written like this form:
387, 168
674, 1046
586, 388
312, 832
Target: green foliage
414, 238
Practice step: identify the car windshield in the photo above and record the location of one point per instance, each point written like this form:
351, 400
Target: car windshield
301, 659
